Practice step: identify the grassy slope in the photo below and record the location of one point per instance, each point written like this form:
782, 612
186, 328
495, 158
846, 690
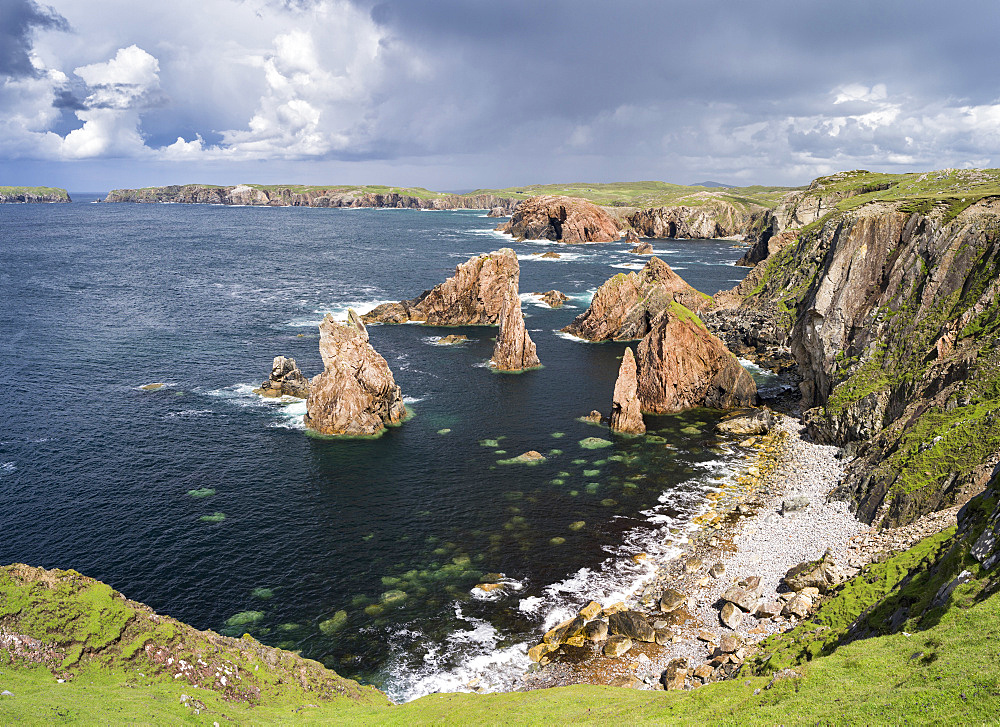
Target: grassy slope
945, 667
54, 191
648, 194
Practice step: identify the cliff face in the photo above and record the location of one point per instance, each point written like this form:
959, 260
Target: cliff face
356, 395
713, 220
315, 197
563, 219
473, 296
893, 318
624, 306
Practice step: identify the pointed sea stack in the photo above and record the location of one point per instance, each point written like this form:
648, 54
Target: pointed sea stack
626, 413
682, 365
356, 395
514, 350
473, 296
624, 306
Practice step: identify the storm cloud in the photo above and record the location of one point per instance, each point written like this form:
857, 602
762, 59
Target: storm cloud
19, 19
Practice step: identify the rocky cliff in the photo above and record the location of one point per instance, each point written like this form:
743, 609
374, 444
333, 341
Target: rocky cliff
682, 365
713, 219
33, 195
473, 296
563, 219
625, 305
356, 395
514, 350
278, 196
891, 312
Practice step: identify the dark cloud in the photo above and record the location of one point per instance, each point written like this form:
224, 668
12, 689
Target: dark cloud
18, 20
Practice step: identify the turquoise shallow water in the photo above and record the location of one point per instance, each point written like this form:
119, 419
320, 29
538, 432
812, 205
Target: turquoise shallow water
361, 554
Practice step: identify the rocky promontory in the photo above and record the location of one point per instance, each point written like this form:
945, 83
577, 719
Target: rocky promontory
356, 395
473, 296
33, 195
682, 365
562, 219
625, 305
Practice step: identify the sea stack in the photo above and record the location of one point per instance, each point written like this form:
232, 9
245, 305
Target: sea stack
682, 365
473, 296
514, 350
626, 412
624, 306
562, 219
285, 380
356, 395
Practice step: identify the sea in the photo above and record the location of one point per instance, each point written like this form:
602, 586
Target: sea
217, 507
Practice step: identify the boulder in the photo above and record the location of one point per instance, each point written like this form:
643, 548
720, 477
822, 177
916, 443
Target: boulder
537, 652
285, 380
617, 645
798, 607
743, 597
626, 414
731, 615
563, 219
794, 504
822, 574
596, 631
682, 365
768, 609
729, 643
356, 394
624, 306
671, 599
474, 295
554, 299
565, 630
632, 624
514, 349
675, 674
717, 571
744, 423
693, 565
591, 610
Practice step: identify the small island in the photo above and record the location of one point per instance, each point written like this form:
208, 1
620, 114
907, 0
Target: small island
33, 195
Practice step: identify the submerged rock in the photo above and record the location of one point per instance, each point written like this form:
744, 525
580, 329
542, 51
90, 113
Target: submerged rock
285, 380
626, 413
624, 307
682, 365
564, 219
356, 394
514, 349
473, 296
451, 340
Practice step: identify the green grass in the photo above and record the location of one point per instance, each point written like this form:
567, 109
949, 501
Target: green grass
50, 191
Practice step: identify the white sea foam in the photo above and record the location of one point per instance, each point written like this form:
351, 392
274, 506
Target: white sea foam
570, 337
412, 399
7, 467
339, 312
629, 266
564, 257
288, 410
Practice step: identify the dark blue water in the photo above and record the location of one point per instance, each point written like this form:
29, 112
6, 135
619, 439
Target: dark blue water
95, 472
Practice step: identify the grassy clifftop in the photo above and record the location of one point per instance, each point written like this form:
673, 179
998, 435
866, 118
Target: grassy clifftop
33, 194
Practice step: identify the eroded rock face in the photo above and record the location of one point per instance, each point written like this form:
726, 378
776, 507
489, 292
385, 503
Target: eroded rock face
682, 365
564, 219
625, 305
473, 296
514, 349
626, 413
285, 380
356, 394
554, 299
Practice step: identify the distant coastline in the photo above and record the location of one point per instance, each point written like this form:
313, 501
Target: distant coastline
33, 195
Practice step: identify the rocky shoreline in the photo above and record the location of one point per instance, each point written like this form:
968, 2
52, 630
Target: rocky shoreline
743, 536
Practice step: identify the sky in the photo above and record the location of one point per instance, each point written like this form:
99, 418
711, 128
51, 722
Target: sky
465, 94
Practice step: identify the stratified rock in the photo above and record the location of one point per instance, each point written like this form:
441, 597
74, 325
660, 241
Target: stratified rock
756, 421
625, 305
632, 624
617, 645
565, 219
643, 248
554, 299
626, 414
473, 296
682, 365
514, 349
356, 394
285, 380
246, 195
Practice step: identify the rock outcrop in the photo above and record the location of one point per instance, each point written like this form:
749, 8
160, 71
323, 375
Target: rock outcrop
514, 349
626, 412
554, 299
714, 218
33, 195
563, 219
624, 306
473, 296
285, 380
681, 365
356, 395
